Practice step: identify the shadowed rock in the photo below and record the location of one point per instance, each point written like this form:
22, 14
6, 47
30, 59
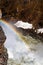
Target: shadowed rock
3, 50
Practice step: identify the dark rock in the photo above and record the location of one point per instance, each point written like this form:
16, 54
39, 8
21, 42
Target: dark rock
26, 10
30, 32
3, 50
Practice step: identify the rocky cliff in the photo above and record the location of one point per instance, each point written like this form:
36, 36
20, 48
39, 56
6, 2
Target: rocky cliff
30, 11
3, 50
26, 10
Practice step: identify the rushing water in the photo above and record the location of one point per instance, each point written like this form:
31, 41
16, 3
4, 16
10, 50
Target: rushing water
19, 53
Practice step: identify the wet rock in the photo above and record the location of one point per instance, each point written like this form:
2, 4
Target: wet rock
3, 50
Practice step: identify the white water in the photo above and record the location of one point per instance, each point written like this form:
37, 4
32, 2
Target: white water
17, 49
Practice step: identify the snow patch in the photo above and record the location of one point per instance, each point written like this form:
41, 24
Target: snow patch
24, 25
40, 30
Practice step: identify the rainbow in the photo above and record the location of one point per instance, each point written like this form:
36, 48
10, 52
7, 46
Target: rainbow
13, 28
10, 25
22, 37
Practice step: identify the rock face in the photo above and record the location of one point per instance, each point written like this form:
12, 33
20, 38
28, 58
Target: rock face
3, 50
30, 11
30, 32
26, 10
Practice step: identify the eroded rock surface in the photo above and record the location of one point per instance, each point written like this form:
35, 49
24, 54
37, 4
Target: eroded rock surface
3, 50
